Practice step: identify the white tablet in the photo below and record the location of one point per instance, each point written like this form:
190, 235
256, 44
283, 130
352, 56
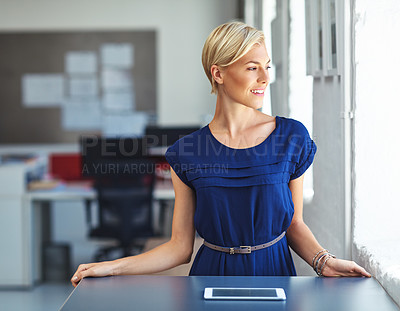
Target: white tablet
236, 293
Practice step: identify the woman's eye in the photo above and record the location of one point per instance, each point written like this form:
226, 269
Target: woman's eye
252, 68
268, 67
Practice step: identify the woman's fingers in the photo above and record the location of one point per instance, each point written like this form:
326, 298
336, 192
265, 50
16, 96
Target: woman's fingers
356, 270
361, 271
340, 267
81, 272
74, 281
92, 269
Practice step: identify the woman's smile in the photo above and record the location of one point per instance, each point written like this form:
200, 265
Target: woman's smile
259, 92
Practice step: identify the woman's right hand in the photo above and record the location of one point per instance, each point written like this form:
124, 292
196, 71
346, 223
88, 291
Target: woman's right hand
98, 269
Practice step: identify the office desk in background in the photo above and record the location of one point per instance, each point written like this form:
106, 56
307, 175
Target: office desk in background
38, 204
21, 209
81, 191
175, 293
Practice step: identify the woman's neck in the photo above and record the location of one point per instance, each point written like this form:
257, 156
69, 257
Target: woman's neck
232, 118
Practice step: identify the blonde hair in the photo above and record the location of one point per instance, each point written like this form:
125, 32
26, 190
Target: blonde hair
226, 44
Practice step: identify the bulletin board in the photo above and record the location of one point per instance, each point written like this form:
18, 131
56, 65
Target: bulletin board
34, 54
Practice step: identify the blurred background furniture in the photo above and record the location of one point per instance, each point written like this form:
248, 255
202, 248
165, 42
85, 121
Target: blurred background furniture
125, 211
36, 190
124, 178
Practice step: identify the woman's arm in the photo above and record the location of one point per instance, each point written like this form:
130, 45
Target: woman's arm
173, 253
303, 242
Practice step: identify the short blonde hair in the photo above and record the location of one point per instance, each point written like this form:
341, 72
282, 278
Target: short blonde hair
226, 44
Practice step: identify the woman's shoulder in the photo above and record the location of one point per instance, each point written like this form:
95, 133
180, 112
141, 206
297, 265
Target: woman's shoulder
186, 144
286, 124
293, 127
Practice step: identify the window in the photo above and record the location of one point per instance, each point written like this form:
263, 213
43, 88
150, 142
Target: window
321, 37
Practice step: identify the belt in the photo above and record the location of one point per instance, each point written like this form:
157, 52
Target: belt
243, 249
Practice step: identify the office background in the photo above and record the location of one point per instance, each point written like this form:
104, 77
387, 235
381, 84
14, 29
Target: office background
177, 32
42, 53
168, 81
181, 28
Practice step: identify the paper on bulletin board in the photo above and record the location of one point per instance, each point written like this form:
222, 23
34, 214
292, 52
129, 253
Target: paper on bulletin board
81, 114
116, 80
83, 86
42, 90
81, 62
119, 55
119, 101
124, 125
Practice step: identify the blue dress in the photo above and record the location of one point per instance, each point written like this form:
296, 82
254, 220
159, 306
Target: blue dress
243, 196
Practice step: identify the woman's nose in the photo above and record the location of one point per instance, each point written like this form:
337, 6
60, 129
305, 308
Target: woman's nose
264, 76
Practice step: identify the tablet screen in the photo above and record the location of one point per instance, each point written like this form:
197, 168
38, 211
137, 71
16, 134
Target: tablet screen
244, 292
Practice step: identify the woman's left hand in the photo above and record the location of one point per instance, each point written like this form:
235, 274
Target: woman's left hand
340, 267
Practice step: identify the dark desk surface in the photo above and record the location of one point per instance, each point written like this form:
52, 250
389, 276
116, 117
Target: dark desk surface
177, 293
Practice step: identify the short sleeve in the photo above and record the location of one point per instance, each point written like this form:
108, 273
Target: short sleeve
173, 159
306, 156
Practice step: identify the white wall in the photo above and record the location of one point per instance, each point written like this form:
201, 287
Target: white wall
183, 92
377, 142
326, 215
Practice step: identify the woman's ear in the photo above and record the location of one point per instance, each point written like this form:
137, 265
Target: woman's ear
217, 74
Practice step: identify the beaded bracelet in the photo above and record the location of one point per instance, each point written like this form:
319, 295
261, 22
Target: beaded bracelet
329, 256
319, 273
318, 260
323, 250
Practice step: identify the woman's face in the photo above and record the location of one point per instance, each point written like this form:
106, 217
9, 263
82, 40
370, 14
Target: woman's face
245, 80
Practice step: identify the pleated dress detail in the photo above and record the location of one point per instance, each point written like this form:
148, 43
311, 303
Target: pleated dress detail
243, 196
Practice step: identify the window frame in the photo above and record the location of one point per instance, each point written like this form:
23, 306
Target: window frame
319, 38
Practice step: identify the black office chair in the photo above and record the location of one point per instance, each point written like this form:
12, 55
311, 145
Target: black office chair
125, 209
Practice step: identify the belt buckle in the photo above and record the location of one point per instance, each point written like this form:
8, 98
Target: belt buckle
246, 249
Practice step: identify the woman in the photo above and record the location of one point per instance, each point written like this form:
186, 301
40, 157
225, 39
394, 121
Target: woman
238, 181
